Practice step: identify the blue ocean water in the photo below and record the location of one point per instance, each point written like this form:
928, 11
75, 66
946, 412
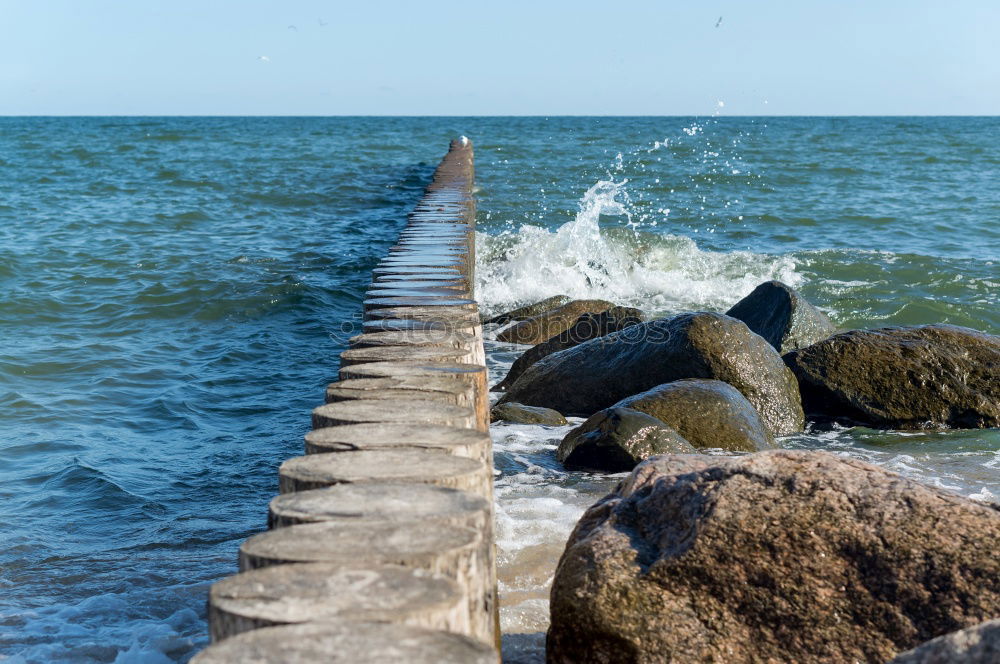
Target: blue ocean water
175, 292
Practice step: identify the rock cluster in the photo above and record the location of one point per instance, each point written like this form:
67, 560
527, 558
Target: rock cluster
774, 556
772, 361
598, 373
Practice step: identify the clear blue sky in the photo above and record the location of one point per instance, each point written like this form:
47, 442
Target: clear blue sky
625, 57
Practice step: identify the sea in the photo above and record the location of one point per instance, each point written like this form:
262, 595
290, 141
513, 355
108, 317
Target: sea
174, 294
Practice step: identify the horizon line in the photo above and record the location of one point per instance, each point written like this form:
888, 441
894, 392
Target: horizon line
538, 115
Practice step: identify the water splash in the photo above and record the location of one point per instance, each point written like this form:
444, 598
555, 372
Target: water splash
605, 253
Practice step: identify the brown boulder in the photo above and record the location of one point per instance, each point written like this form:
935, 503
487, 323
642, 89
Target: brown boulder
778, 556
549, 323
707, 413
530, 310
902, 377
598, 373
586, 327
617, 439
517, 413
783, 317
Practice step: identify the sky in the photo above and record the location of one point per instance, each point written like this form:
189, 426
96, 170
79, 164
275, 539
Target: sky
540, 57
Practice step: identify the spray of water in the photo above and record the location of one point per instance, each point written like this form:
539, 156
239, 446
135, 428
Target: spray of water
602, 253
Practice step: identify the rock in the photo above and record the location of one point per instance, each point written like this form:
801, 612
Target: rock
975, 645
598, 373
617, 439
531, 310
549, 323
518, 413
706, 413
586, 327
779, 556
902, 377
783, 317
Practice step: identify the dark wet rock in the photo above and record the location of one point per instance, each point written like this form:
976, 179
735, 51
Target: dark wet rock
902, 377
617, 439
531, 310
586, 327
549, 323
598, 373
979, 644
707, 413
520, 414
783, 317
779, 556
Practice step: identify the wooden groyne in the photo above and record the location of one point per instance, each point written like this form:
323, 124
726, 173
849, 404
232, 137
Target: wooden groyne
380, 545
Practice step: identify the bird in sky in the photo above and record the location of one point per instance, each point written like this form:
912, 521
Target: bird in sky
292, 27
263, 58
719, 22
322, 23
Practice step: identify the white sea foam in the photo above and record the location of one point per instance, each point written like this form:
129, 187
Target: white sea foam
81, 632
622, 263
537, 505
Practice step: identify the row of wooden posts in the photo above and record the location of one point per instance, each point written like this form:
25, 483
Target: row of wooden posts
380, 545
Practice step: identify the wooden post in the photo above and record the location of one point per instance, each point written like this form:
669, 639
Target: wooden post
415, 466
402, 411
290, 594
451, 551
433, 389
386, 436
347, 641
393, 502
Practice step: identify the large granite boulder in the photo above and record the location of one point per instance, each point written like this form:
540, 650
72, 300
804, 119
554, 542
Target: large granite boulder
974, 645
598, 373
707, 413
549, 323
618, 439
517, 413
779, 556
783, 317
586, 327
902, 377
530, 310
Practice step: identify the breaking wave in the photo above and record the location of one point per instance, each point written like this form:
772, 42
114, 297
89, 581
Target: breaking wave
602, 253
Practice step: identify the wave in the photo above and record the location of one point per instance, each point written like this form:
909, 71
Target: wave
80, 632
590, 257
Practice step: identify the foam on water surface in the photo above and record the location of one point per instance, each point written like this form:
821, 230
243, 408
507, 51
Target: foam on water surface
618, 261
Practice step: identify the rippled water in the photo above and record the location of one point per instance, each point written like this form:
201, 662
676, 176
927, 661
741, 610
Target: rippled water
174, 292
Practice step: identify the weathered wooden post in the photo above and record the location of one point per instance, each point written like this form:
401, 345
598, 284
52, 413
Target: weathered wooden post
381, 545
